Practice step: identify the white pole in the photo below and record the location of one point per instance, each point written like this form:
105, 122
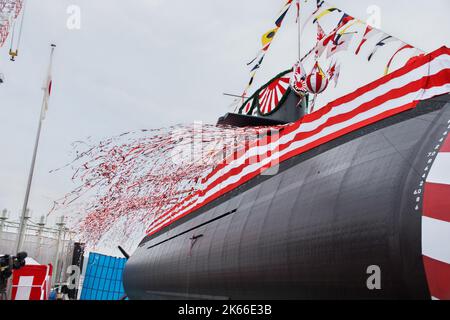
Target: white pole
56, 270
21, 233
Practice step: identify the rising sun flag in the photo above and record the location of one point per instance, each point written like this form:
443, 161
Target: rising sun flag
47, 87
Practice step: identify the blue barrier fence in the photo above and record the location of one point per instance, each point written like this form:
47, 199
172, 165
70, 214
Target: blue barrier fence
103, 278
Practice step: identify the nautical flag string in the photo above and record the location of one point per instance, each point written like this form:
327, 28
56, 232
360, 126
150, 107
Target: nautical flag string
330, 38
337, 40
344, 20
281, 18
340, 38
307, 21
365, 37
266, 41
380, 44
324, 13
346, 24
341, 44
320, 32
256, 66
268, 37
406, 46
334, 72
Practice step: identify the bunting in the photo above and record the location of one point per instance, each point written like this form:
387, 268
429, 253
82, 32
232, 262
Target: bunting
266, 41
325, 12
345, 25
365, 37
344, 20
338, 39
343, 38
333, 35
341, 44
267, 38
258, 65
324, 42
334, 72
337, 74
281, 18
380, 44
319, 5
406, 46
250, 82
320, 33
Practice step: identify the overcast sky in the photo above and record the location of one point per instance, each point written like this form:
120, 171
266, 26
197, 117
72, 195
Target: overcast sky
148, 64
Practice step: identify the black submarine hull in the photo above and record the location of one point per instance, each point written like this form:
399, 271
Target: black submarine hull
311, 231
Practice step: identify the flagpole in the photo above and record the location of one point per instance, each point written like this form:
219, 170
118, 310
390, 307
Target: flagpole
22, 227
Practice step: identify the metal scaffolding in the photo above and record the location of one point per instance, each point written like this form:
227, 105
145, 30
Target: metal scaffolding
44, 244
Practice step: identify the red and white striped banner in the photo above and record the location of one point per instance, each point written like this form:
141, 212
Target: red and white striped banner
436, 221
399, 91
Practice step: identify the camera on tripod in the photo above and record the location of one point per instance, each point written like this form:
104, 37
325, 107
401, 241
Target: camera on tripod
7, 265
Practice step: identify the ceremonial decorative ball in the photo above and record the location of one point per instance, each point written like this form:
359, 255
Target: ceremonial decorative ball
316, 82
